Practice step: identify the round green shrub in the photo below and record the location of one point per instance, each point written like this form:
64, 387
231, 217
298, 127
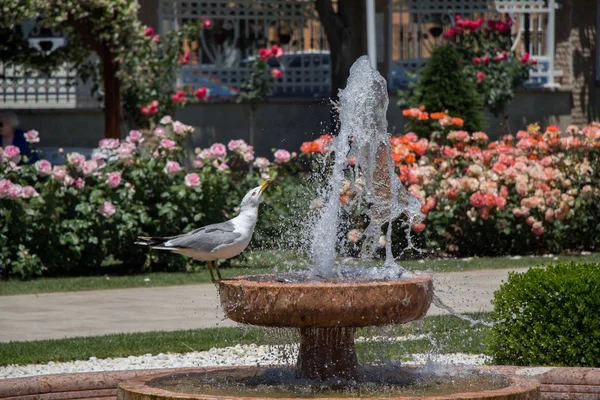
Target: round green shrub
548, 316
444, 86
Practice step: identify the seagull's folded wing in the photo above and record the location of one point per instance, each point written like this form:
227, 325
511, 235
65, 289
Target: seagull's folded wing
208, 238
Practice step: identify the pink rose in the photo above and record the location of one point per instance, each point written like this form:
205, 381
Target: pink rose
32, 136
223, 167
108, 144
201, 93
192, 180
166, 120
167, 144
126, 150
134, 136
43, 167
234, 144
218, 150
59, 172
15, 191
277, 51
500, 202
107, 209
172, 167
114, 179
549, 215
537, 229
276, 73
12, 153
75, 159
198, 164
181, 128
282, 156
178, 97
262, 163
79, 183
5, 186
477, 200
69, 180
480, 77
89, 167
29, 192
149, 31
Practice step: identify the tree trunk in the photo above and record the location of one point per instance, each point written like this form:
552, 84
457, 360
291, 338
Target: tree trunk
112, 99
346, 34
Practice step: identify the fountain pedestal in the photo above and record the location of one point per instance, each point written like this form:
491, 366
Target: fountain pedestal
326, 314
326, 353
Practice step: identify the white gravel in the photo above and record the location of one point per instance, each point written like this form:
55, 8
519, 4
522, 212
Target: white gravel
229, 356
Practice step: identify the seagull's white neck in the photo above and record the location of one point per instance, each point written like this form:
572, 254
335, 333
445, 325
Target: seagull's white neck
247, 217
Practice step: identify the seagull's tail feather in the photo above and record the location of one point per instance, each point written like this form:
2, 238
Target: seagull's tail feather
151, 240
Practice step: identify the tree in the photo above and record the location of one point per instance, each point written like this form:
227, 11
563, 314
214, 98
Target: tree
129, 60
345, 31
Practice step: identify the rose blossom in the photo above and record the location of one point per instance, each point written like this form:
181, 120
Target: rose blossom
276, 73
126, 150
75, 159
282, 156
192, 180
5, 186
198, 164
218, 150
29, 192
420, 227
32, 136
477, 200
134, 136
109, 144
223, 167
43, 167
181, 129
172, 167
166, 120
537, 229
262, 163
89, 167
107, 209
12, 153
167, 144
15, 191
114, 179
59, 172
79, 183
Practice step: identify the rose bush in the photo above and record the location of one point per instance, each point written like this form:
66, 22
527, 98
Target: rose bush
83, 217
535, 192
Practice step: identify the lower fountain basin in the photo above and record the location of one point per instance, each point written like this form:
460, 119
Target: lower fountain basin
245, 383
266, 302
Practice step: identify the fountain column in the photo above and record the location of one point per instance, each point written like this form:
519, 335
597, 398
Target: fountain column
327, 353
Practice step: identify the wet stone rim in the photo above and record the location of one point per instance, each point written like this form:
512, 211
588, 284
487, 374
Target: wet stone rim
320, 304
521, 388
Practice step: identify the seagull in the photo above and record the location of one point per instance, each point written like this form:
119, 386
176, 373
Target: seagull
217, 241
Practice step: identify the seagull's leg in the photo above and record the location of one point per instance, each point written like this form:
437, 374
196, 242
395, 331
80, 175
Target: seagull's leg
218, 272
212, 276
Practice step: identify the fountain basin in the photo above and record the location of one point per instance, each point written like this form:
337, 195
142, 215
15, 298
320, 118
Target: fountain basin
264, 302
181, 385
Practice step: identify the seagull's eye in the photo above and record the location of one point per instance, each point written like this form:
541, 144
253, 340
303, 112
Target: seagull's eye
253, 193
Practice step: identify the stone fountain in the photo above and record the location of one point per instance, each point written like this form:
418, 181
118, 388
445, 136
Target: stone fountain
329, 302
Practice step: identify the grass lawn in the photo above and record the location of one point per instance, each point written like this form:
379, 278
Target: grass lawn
261, 262
449, 334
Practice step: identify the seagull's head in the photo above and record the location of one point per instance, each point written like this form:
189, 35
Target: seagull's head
252, 199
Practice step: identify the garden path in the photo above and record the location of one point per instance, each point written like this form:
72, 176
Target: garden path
91, 313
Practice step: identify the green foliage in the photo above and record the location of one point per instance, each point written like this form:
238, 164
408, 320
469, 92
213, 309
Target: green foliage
257, 84
100, 33
548, 317
444, 86
71, 223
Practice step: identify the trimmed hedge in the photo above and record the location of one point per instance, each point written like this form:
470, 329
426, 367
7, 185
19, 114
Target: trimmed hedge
548, 316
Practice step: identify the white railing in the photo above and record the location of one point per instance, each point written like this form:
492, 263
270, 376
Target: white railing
219, 57
418, 25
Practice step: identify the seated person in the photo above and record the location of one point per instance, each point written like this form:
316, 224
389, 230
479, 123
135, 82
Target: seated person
11, 135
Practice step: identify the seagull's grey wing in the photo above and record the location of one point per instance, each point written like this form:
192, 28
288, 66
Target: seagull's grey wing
208, 238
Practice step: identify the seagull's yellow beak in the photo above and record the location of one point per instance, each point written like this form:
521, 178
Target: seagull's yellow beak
264, 185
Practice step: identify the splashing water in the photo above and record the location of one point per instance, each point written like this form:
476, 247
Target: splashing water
364, 137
